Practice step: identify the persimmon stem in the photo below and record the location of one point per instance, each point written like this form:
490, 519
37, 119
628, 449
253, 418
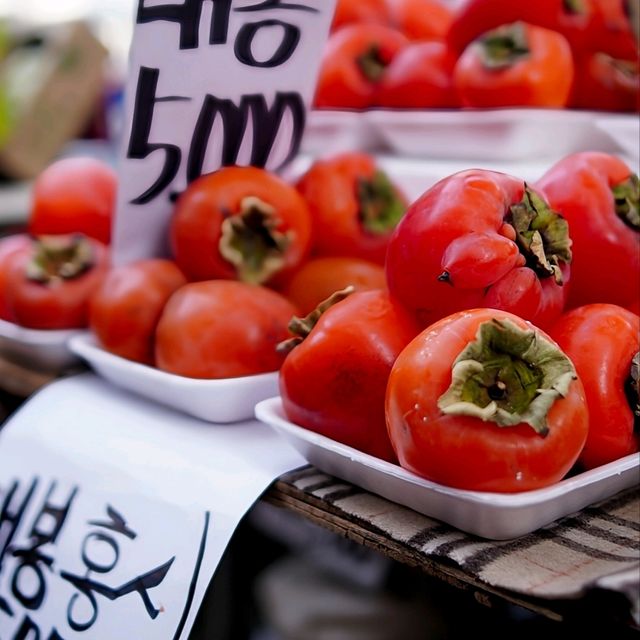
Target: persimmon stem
627, 202
542, 235
301, 327
58, 258
508, 376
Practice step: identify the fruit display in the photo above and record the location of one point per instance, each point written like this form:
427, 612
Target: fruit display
429, 54
462, 335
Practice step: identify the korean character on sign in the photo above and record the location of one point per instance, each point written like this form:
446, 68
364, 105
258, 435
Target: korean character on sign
11, 514
28, 582
100, 554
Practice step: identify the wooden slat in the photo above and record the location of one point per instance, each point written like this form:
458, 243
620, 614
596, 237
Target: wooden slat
322, 513
20, 381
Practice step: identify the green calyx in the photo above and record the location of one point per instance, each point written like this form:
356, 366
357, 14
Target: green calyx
371, 63
504, 46
508, 376
574, 7
628, 68
380, 206
301, 327
251, 242
59, 258
542, 235
626, 196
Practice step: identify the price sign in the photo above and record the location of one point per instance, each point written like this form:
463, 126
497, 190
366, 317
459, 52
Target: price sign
115, 512
211, 83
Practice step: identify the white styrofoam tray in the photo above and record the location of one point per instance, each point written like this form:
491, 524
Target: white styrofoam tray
498, 516
223, 400
44, 350
509, 134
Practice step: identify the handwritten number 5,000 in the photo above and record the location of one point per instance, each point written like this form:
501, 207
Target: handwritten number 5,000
139, 145
266, 123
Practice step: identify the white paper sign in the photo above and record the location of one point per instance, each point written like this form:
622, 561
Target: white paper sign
211, 83
114, 512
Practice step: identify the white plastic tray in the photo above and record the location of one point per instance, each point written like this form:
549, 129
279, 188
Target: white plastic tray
43, 350
328, 132
479, 135
625, 132
223, 401
498, 516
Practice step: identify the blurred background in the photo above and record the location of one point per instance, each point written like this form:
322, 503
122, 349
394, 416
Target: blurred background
62, 70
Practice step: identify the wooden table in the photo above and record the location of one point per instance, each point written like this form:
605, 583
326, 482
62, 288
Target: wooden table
575, 556
438, 549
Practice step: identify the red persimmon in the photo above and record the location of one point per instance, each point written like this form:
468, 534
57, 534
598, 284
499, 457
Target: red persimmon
74, 195
606, 83
9, 246
222, 329
49, 285
354, 206
333, 382
420, 76
483, 400
422, 19
515, 65
569, 17
360, 11
240, 223
480, 239
126, 307
603, 341
613, 28
597, 194
319, 278
354, 64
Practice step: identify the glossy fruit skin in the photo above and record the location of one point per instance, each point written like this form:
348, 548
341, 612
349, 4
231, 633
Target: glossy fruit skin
330, 188
318, 278
196, 226
334, 381
222, 329
422, 20
359, 11
9, 245
606, 251
476, 17
601, 340
606, 84
126, 307
463, 451
420, 76
542, 78
59, 304
342, 82
460, 222
74, 195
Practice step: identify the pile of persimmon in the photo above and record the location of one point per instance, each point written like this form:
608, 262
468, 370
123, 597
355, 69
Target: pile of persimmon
484, 53
505, 351
248, 252
485, 336
48, 275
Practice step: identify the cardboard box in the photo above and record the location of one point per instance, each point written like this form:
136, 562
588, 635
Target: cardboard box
50, 83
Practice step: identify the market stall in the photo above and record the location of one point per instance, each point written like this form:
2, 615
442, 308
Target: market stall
383, 278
